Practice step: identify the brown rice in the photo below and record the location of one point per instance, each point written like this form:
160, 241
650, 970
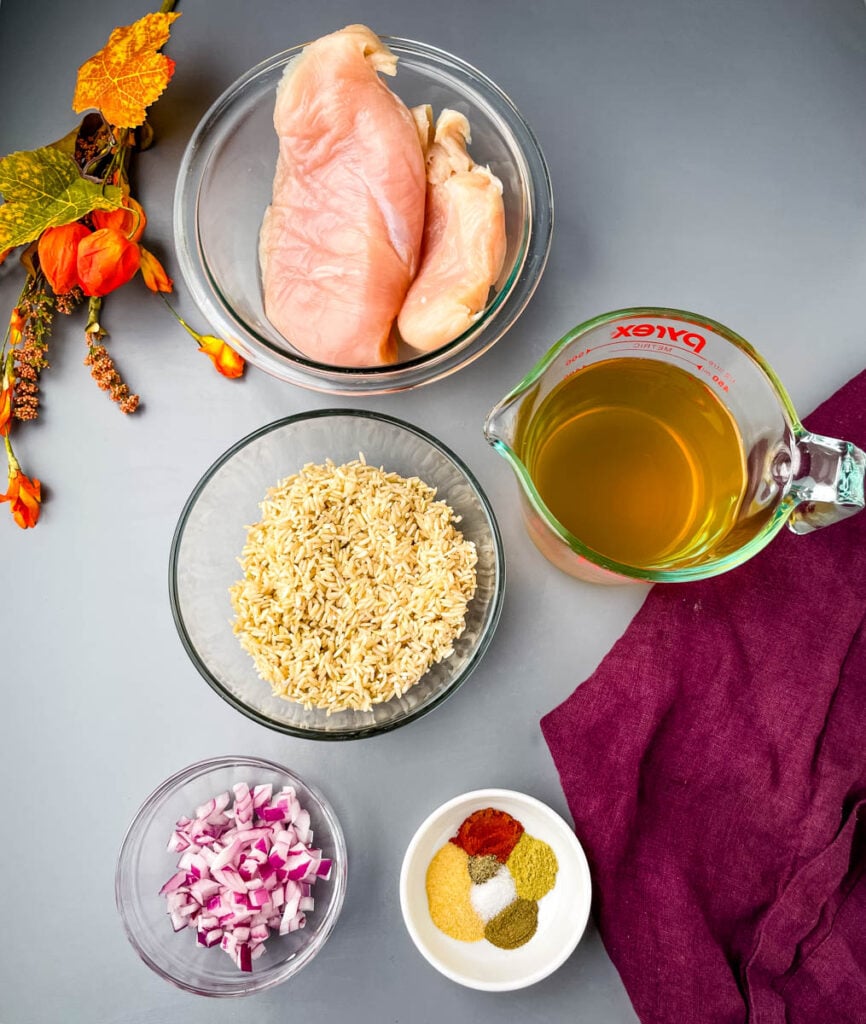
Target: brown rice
355, 581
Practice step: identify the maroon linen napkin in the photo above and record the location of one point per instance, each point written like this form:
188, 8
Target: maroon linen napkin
715, 768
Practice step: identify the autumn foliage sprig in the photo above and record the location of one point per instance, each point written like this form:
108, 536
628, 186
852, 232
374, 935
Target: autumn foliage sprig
69, 205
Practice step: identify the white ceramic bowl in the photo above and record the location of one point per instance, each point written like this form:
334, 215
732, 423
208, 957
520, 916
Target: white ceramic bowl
562, 913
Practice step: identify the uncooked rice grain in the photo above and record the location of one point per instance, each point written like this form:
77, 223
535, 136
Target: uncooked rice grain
355, 581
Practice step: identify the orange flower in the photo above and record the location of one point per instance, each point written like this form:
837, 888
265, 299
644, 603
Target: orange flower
224, 358
154, 273
7, 379
107, 259
16, 326
58, 255
25, 496
5, 409
128, 219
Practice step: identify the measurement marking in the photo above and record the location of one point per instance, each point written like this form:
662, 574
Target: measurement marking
632, 345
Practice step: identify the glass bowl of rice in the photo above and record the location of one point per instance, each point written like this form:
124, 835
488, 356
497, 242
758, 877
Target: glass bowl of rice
336, 574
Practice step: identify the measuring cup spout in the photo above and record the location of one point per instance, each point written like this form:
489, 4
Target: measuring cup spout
500, 427
828, 482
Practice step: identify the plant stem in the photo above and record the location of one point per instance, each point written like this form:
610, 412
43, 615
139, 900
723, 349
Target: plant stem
181, 321
18, 306
167, 6
92, 330
10, 456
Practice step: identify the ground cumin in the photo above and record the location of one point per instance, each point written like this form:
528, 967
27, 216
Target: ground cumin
513, 926
533, 867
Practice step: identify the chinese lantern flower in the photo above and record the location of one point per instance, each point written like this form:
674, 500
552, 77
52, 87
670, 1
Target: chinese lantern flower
223, 356
129, 219
24, 495
58, 255
107, 259
154, 273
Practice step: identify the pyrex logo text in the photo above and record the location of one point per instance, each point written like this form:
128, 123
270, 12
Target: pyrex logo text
694, 341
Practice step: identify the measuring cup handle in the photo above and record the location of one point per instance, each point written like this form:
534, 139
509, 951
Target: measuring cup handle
828, 482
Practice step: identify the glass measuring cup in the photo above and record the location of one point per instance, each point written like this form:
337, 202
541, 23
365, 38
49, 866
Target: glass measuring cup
790, 476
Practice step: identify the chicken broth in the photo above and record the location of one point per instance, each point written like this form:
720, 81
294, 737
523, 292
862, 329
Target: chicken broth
639, 460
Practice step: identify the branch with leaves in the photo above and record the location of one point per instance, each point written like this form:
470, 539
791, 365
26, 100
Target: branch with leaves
69, 206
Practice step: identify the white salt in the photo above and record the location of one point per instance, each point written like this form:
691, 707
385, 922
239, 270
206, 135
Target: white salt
490, 897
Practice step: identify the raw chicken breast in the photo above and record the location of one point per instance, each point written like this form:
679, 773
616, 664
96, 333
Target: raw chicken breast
341, 240
423, 115
464, 241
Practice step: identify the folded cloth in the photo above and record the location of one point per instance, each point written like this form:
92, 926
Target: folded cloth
715, 768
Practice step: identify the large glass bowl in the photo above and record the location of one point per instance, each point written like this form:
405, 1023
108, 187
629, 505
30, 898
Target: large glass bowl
211, 534
224, 185
144, 864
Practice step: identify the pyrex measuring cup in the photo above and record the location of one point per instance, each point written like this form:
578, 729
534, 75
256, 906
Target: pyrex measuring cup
789, 475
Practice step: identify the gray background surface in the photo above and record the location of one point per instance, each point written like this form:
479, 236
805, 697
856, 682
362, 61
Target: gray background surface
704, 155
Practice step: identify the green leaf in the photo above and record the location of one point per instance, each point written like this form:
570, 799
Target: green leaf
44, 189
67, 143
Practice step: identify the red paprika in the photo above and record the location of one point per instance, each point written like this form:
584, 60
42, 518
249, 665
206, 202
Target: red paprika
107, 259
489, 832
58, 255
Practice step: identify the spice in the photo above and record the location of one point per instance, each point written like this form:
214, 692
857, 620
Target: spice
515, 926
533, 866
489, 832
481, 869
448, 885
494, 895
485, 882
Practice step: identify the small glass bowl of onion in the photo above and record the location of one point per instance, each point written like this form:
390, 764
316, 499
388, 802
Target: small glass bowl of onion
148, 874
224, 186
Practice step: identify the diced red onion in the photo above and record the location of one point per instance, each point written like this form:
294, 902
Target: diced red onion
246, 867
174, 883
258, 898
262, 795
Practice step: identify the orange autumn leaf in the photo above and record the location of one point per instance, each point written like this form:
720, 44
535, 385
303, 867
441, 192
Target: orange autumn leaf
128, 73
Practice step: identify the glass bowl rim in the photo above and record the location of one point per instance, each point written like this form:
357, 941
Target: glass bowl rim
247, 984
294, 368
485, 637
